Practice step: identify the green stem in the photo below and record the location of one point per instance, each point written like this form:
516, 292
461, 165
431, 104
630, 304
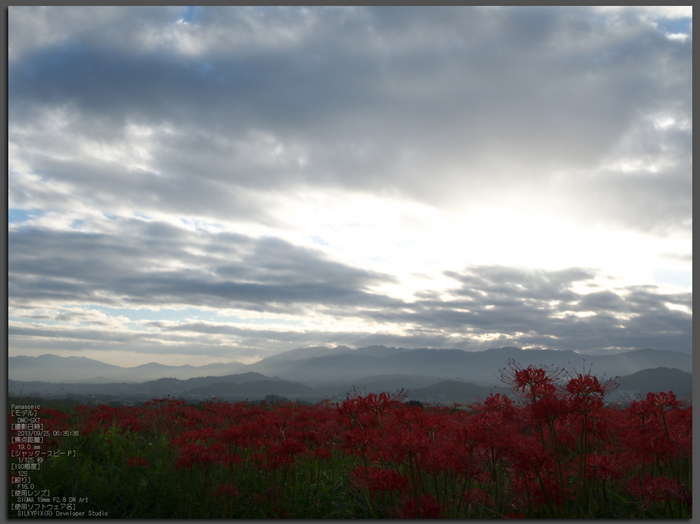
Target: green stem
414, 483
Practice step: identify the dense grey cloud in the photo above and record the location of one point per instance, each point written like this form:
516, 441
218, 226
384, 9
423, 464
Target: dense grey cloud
467, 95
154, 150
153, 264
541, 309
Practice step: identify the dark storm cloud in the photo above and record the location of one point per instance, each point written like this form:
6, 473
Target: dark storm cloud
372, 99
152, 264
600, 299
508, 282
539, 308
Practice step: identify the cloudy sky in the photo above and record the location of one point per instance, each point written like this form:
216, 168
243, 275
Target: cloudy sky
197, 185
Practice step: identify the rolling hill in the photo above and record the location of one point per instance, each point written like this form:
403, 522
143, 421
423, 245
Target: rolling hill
317, 373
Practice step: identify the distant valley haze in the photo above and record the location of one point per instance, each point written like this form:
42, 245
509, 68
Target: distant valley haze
301, 192
313, 374
320, 365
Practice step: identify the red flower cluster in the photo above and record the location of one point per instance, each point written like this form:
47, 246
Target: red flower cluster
137, 462
558, 446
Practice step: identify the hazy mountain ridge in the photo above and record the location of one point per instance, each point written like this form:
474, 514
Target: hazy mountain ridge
340, 364
439, 375
254, 386
260, 388
454, 391
655, 380
52, 368
480, 367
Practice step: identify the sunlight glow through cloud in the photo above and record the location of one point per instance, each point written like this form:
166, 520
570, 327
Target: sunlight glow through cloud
202, 184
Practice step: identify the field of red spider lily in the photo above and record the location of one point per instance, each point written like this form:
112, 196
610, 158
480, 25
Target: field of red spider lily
557, 451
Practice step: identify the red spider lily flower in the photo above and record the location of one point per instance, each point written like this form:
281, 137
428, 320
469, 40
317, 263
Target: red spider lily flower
257, 431
400, 443
584, 385
195, 435
136, 462
604, 467
288, 448
227, 490
640, 411
104, 413
358, 403
651, 442
586, 404
322, 453
130, 423
439, 458
89, 428
663, 401
530, 456
382, 402
680, 425
359, 440
488, 428
435, 424
472, 434
491, 420
566, 436
236, 435
497, 402
409, 416
194, 453
189, 455
549, 407
532, 382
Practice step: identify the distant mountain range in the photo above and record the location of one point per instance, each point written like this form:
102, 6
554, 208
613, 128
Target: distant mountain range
254, 386
435, 375
655, 380
320, 365
53, 368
